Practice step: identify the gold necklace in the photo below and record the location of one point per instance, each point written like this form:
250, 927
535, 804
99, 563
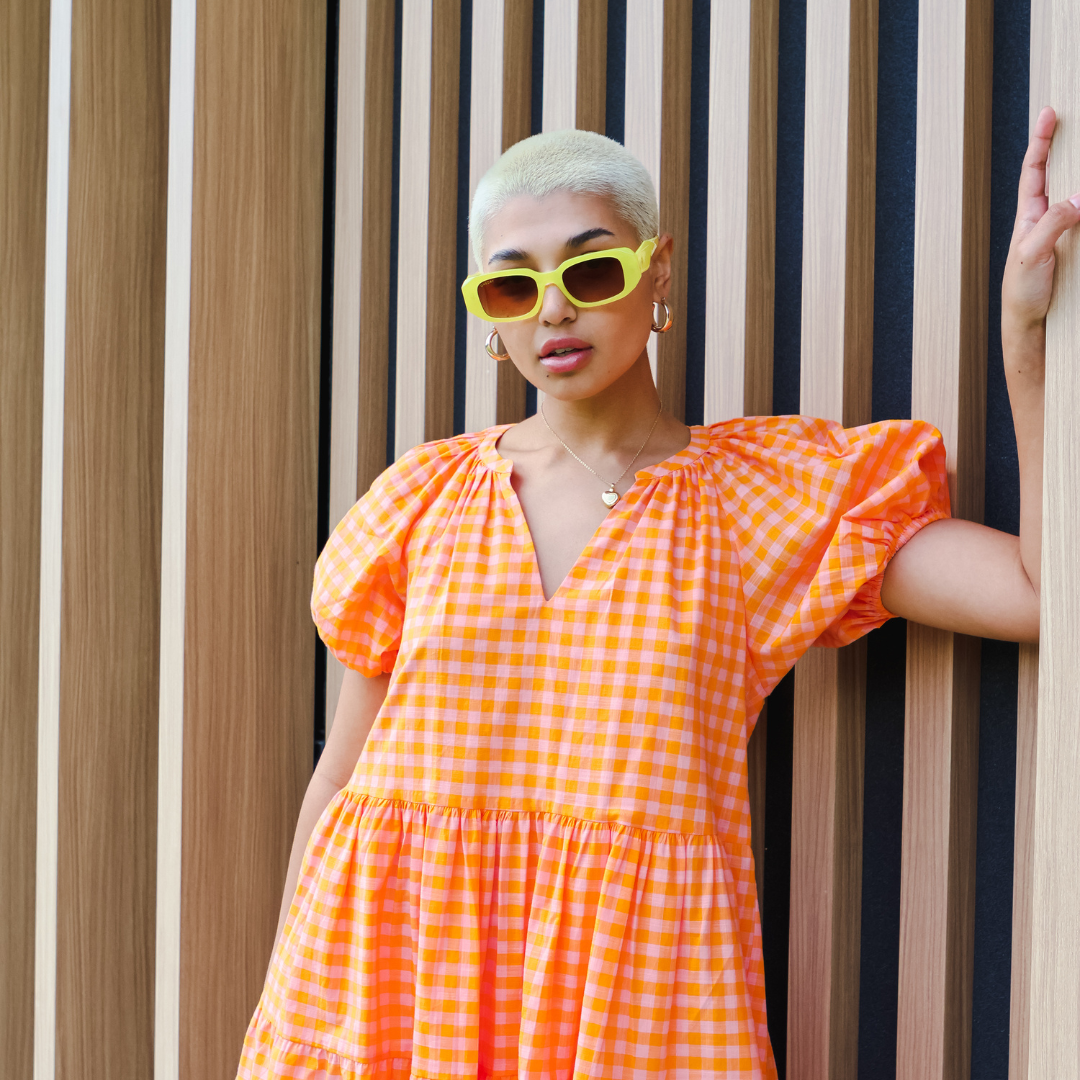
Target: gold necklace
610, 496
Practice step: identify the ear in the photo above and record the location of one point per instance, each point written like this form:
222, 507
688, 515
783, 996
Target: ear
661, 266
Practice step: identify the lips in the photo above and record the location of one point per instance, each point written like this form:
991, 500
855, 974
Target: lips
560, 355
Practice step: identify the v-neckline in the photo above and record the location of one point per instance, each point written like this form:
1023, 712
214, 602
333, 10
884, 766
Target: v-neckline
504, 467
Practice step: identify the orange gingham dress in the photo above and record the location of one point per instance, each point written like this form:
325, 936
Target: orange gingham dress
541, 866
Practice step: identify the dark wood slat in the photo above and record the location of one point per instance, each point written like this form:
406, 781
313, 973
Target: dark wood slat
592, 65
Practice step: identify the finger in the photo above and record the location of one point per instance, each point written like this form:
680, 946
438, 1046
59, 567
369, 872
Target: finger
1031, 201
1039, 243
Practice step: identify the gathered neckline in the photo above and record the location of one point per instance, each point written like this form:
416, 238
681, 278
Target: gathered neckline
700, 438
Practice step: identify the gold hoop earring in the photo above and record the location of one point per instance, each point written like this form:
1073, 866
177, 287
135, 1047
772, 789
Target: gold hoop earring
658, 326
489, 345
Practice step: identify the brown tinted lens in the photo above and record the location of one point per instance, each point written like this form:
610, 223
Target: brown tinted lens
594, 280
507, 297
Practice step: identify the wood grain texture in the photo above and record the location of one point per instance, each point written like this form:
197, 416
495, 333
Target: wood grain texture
348, 245
111, 540
949, 342
837, 322
482, 374
643, 101
24, 68
741, 220
375, 254
591, 106
1027, 692
1054, 1040
937, 884
1027, 715
442, 283
826, 863
560, 64
675, 196
252, 484
414, 174
516, 125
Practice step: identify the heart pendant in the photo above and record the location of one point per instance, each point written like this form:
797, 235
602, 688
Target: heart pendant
610, 498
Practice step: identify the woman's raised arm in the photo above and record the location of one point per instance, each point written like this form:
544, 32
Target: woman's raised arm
965, 577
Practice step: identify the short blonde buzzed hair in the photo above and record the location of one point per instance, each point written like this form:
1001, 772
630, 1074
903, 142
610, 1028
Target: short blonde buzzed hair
582, 162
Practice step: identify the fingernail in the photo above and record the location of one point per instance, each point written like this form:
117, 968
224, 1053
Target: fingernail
1075, 200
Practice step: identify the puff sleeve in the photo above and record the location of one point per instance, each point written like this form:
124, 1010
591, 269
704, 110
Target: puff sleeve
821, 513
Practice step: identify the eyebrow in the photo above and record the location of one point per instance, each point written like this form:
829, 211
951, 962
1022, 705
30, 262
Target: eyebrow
516, 255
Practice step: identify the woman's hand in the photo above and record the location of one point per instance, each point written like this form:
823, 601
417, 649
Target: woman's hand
1029, 272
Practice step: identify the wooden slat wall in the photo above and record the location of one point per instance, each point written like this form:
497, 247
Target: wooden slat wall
244, 557
111, 539
951, 293
348, 245
741, 222
1054, 1030
830, 685
1027, 700
24, 71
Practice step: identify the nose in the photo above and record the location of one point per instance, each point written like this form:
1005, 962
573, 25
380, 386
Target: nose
556, 309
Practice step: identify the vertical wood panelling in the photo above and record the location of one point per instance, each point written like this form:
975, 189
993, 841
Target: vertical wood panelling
560, 64
830, 697
348, 245
252, 461
167, 960
1027, 711
741, 228
375, 252
52, 497
643, 99
675, 196
1054, 1040
24, 70
949, 343
516, 125
1027, 693
591, 75
111, 540
442, 283
485, 145
414, 172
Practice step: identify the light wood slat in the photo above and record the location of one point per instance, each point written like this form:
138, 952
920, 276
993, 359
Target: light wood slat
741, 229
375, 251
414, 173
348, 244
1027, 711
560, 64
442, 282
24, 86
590, 113
952, 199
252, 487
52, 492
1027, 692
111, 540
643, 100
516, 125
830, 695
1054, 1046
170, 790
485, 145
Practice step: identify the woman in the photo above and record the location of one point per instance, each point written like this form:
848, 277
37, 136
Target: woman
559, 636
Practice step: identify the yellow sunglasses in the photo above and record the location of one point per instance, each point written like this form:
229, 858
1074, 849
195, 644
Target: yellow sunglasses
600, 277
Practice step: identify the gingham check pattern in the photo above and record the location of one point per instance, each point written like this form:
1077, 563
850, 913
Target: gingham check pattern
541, 866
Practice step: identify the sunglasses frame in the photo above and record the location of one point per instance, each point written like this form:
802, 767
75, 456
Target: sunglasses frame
634, 264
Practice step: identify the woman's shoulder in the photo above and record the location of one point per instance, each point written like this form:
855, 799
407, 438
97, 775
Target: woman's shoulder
434, 463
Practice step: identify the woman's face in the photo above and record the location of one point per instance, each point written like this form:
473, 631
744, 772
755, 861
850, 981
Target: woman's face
604, 342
